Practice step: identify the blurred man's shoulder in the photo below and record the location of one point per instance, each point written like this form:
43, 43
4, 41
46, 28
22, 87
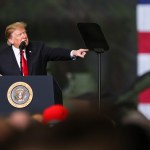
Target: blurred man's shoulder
3, 48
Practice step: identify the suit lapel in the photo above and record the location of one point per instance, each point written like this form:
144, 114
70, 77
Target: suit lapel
14, 64
28, 55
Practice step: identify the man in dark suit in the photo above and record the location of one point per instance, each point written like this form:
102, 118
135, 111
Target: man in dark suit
37, 54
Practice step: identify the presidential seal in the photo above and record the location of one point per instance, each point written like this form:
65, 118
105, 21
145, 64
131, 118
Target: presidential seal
20, 94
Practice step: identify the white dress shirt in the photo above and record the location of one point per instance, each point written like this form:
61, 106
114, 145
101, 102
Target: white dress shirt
17, 54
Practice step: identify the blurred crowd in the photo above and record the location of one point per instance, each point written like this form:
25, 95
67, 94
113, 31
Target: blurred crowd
59, 128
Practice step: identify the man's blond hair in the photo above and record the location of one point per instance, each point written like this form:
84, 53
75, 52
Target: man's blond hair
11, 28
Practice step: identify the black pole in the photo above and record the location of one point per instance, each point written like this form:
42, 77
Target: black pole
22, 46
21, 63
99, 52
99, 81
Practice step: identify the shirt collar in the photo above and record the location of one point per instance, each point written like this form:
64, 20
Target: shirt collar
16, 50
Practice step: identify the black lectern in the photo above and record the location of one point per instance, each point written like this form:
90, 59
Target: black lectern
31, 93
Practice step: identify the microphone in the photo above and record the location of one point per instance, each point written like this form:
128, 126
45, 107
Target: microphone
22, 45
55, 114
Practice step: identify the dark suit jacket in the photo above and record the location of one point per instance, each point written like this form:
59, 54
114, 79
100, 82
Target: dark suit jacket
38, 54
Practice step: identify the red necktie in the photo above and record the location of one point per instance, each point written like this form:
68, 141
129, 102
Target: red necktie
24, 65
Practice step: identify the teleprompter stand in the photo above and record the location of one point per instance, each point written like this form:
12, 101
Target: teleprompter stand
95, 41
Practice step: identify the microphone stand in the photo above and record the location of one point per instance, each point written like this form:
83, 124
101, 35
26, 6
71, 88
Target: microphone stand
21, 62
21, 47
